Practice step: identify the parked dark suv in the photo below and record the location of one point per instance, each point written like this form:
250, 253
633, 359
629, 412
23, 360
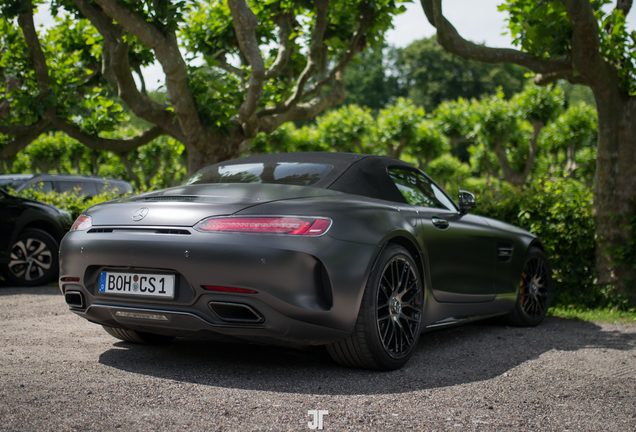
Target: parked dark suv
30, 234
87, 186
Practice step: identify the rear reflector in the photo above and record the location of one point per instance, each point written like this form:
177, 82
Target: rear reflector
70, 279
229, 289
266, 225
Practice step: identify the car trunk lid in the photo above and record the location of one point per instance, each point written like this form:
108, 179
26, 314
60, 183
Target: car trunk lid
187, 205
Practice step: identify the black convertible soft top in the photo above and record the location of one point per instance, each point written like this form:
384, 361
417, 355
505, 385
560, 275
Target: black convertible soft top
352, 173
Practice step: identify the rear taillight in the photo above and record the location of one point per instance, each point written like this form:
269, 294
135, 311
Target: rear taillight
266, 225
82, 223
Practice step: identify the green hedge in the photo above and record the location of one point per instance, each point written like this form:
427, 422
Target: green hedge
69, 201
559, 212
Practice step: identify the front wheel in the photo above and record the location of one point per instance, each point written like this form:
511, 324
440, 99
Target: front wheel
535, 291
33, 259
390, 316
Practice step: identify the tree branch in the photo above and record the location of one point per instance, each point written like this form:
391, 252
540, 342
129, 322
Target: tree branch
549, 78
586, 54
352, 50
25, 20
317, 36
137, 68
309, 110
118, 73
223, 64
166, 49
5, 105
449, 38
509, 174
245, 23
39, 126
19, 142
115, 145
624, 5
284, 46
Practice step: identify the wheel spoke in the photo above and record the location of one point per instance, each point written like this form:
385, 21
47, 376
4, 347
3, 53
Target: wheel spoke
399, 306
34, 250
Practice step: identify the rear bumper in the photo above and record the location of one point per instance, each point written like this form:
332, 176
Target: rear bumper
308, 290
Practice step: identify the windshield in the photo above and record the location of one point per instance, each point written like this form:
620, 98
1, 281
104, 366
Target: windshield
292, 173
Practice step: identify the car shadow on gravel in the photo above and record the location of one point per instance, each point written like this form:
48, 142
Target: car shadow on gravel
459, 355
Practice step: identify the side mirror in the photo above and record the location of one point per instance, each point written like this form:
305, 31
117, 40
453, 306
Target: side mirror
466, 201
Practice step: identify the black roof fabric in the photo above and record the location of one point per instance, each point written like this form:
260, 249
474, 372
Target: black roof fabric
352, 173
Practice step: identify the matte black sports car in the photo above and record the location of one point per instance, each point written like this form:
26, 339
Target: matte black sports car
359, 253
30, 232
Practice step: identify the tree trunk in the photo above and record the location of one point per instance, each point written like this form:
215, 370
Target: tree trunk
231, 147
614, 182
570, 157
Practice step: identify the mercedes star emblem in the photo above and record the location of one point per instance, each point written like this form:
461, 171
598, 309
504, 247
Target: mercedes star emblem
140, 214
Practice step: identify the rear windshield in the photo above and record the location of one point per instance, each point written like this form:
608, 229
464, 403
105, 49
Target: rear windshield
292, 173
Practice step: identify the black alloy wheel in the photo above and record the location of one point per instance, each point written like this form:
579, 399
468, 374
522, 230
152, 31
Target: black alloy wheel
33, 259
389, 322
399, 309
535, 291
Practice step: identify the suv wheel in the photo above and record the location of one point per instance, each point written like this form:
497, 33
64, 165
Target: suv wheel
33, 259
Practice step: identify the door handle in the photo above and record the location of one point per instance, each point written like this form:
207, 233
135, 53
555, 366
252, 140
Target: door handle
440, 223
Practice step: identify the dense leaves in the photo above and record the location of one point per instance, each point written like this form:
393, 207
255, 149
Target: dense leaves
431, 75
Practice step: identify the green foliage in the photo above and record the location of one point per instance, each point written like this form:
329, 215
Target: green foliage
430, 75
346, 129
544, 29
156, 165
449, 172
398, 126
371, 81
559, 212
288, 138
218, 96
539, 103
69, 201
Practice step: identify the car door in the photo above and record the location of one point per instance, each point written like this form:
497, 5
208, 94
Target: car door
460, 247
10, 210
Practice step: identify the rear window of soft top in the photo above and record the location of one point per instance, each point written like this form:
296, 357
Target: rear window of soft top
292, 173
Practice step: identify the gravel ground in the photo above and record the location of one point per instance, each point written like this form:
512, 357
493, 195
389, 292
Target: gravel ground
60, 372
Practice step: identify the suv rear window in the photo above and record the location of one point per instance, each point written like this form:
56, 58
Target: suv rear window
292, 173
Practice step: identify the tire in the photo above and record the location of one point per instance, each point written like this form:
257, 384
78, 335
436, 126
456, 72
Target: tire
389, 321
33, 259
137, 337
535, 291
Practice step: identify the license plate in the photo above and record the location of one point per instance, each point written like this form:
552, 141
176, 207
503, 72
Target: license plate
139, 284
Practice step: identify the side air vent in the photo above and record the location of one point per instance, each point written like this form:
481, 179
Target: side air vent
171, 198
504, 252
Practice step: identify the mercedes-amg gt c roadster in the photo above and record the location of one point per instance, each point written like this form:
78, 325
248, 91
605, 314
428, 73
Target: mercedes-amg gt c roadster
355, 252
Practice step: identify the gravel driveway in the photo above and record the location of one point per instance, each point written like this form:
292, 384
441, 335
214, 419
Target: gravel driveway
59, 372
